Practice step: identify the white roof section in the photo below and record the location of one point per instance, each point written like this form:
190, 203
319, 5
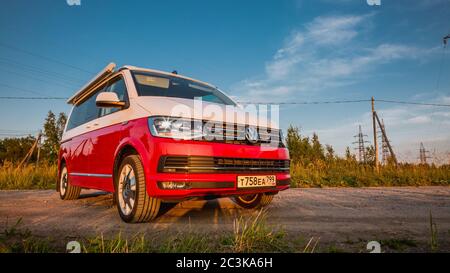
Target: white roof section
165, 73
111, 69
108, 70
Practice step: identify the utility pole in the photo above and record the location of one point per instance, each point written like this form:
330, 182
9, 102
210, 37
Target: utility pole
445, 39
391, 151
384, 147
39, 144
30, 152
375, 140
375, 120
423, 154
361, 149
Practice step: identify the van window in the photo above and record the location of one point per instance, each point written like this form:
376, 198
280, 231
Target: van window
117, 85
153, 84
84, 112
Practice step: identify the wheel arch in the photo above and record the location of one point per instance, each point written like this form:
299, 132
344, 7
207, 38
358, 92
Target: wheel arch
60, 163
129, 147
123, 152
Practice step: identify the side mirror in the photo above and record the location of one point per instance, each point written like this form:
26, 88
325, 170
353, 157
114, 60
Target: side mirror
109, 100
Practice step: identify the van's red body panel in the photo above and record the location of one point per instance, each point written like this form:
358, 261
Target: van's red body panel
95, 152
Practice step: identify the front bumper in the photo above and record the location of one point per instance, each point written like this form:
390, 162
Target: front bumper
209, 184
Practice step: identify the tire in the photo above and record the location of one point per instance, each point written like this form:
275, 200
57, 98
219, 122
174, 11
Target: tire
133, 203
66, 190
252, 201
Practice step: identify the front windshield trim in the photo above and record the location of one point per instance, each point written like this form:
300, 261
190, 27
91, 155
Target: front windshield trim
167, 74
220, 97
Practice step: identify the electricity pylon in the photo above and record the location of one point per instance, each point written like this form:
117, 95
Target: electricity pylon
423, 154
360, 148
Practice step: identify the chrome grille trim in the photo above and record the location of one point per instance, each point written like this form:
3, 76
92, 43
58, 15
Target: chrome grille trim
202, 164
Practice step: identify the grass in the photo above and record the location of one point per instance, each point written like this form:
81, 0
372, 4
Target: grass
398, 244
433, 234
341, 173
250, 235
255, 235
319, 174
140, 243
29, 177
15, 240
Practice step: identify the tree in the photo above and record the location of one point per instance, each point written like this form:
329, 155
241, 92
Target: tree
317, 148
53, 130
330, 152
293, 140
61, 124
14, 149
370, 155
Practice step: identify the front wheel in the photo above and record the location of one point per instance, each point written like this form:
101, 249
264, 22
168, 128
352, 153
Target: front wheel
133, 203
251, 201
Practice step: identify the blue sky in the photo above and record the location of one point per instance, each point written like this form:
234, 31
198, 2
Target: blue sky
254, 50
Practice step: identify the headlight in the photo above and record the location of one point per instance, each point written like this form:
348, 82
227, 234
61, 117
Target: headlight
177, 128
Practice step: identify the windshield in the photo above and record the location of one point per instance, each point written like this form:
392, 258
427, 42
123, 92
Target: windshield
152, 84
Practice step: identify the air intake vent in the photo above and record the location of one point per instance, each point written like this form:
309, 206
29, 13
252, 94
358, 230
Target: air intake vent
202, 164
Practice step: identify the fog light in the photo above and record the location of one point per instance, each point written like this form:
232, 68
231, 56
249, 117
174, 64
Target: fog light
169, 185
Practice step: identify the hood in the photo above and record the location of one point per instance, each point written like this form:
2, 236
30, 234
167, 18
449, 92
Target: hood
187, 108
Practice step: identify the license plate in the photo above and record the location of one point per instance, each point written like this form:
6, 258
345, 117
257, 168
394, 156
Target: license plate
256, 181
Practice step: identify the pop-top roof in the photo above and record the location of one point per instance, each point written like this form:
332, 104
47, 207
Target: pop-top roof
109, 70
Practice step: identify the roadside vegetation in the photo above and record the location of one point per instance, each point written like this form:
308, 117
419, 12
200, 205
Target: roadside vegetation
30, 177
250, 235
316, 165
39, 171
312, 164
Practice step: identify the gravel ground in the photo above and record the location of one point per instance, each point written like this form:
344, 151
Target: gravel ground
338, 216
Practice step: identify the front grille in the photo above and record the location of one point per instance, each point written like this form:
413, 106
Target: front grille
236, 134
233, 133
203, 164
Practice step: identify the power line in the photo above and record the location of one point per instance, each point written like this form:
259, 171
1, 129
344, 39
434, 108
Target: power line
16, 135
21, 89
33, 98
414, 103
307, 102
45, 58
44, 72
350, 101
271, 103
26, 76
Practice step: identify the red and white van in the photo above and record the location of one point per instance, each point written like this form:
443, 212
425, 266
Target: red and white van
123, 137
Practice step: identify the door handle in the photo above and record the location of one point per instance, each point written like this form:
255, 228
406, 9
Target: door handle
93, 125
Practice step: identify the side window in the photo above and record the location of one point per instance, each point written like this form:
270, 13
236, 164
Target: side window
84, 112
76, 118
117, 85
91, 108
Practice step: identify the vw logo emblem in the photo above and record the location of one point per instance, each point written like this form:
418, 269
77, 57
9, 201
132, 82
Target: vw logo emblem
251, 134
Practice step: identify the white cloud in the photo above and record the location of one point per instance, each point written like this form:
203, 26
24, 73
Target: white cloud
419, 120
331, 52
334, 30
324, 54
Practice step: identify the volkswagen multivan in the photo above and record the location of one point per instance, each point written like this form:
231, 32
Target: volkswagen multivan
134, 132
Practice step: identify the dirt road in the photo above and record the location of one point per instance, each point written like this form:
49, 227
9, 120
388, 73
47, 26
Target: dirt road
333, 214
